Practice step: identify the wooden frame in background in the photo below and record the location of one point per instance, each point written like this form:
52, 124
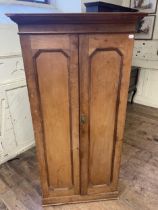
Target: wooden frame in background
148, 6
145, 28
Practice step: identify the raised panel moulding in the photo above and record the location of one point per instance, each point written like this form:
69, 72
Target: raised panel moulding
112, 71
60, 175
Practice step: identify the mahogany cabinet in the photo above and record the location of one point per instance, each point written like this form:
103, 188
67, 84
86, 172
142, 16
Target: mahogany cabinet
77, 69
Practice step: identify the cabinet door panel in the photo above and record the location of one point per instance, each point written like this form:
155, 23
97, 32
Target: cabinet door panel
104, 78
53, 77
104, 84
56, 78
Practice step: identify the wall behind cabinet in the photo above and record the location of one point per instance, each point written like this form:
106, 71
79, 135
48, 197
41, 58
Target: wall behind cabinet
68, 6
145, 55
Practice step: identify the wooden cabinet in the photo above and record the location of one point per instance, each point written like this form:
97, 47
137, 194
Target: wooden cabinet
78, 68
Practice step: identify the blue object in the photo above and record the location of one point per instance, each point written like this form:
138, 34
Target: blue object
100, 6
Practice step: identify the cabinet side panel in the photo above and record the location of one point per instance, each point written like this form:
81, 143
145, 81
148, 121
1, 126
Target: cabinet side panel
53, 79
104, 82
35, 109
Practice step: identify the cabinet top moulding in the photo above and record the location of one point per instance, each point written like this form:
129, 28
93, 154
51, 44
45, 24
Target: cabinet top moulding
56, 23
79, 18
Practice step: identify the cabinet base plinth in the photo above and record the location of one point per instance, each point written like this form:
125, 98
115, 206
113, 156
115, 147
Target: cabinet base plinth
79, 198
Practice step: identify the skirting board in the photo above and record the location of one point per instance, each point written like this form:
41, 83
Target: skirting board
146, 103
80, 198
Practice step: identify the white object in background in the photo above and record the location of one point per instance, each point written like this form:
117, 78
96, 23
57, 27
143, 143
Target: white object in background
16, 133
131, 36
147, 93
145, 54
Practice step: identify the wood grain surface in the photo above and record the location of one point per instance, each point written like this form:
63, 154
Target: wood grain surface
75, 18
56, 71
104, 78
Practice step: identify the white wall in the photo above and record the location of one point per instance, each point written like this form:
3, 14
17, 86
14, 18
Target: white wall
68, 6
145, 55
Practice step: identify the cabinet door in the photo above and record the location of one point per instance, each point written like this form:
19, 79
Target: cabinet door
51, 64
104, 78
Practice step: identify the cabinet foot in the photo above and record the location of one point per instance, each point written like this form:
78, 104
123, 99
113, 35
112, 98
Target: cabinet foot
80, 199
